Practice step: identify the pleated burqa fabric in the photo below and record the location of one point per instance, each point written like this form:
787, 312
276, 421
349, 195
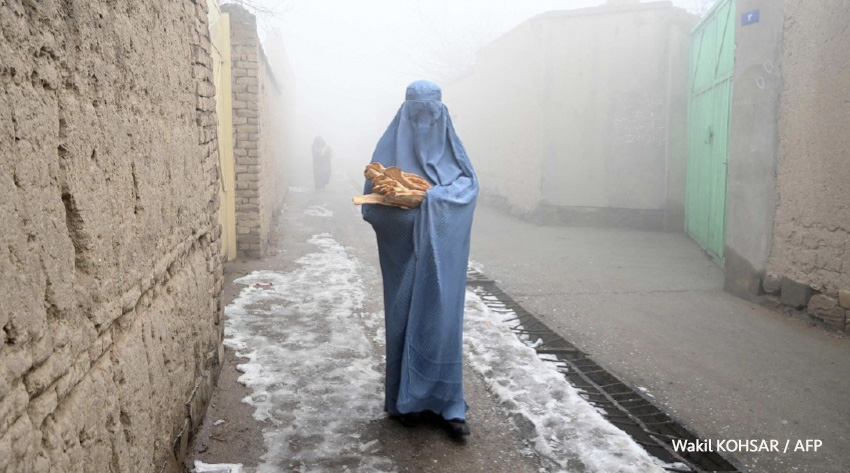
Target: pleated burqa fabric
423, 254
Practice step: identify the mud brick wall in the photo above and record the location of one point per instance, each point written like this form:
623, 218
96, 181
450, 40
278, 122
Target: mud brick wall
110, 319
258, 135
811, 238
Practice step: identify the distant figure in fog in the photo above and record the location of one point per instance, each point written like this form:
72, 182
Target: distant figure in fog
424, 254
322, 154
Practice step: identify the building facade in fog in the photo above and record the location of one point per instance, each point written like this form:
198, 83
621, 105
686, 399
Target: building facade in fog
787, 202
732, 129
580, 116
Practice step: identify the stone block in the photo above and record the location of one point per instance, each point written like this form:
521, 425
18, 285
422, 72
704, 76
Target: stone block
57, 365
771, 283
247, 208
12, 406
252, 238
247, 80
247, 65
794, 294
844, 299
41, 406
827, 309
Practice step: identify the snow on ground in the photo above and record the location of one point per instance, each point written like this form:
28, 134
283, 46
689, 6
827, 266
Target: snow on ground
565, 430
318, 211
475, 266
201, 467
316, 379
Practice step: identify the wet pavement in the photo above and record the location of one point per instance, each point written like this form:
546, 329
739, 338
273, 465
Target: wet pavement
307, 324
650, 308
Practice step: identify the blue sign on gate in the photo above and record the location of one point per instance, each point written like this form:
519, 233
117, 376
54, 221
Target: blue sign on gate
750, 17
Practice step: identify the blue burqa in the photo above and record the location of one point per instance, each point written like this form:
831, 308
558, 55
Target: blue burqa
424, 254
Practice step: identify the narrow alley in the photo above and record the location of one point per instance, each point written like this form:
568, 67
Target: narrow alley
306, 327
611, 236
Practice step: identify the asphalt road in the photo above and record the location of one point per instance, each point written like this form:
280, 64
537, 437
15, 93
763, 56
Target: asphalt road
650, 308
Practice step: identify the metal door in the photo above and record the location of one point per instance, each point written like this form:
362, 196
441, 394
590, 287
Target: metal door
712, 66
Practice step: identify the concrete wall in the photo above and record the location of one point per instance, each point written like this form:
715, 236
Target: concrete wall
284, 77
498, 117
260, 130
110, 258
753, 146
581, 113
811, 230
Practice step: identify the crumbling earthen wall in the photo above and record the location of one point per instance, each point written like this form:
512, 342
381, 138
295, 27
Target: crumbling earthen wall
111, 325
258, 135
811, 238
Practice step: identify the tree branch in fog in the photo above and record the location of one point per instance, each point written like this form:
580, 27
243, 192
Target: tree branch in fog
446, 52
703, 6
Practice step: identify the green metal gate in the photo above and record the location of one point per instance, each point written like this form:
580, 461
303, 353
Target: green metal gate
712, 65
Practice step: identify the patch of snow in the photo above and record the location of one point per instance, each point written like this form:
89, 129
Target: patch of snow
201, 467
318, 211
218, 422
316, 380
566, 431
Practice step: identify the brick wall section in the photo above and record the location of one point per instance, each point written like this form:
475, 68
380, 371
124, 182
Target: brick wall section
257, 128
110, 314
811, 238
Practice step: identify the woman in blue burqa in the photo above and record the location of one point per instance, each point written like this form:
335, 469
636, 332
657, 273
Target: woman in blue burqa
423, 254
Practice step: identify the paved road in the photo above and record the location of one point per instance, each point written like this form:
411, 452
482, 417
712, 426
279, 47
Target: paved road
320, 408
309, 318
650, 307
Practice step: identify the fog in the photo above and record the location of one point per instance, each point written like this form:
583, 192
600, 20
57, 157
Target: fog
352, 60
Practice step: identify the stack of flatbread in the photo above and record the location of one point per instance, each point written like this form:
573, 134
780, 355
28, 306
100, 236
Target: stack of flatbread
392, 186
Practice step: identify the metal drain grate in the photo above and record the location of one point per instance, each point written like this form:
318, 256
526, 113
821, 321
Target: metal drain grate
618, 402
